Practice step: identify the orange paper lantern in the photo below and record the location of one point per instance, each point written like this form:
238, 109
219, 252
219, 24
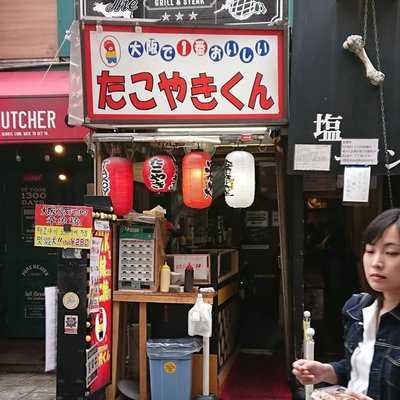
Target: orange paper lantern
196, 180
117, 183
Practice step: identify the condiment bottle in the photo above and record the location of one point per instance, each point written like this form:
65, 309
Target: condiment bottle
165, 278
188, 285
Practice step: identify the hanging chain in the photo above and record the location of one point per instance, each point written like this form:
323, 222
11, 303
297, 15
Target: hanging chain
381, 91
365, 27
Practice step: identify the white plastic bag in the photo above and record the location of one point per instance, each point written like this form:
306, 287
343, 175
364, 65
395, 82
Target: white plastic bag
200, 318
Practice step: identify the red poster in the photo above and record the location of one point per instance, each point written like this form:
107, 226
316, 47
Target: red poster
56, 215
63, 226
102, 320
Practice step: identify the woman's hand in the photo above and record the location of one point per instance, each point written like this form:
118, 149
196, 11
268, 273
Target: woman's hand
358, 396
310, 372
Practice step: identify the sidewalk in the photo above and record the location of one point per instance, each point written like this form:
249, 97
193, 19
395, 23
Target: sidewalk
27, 386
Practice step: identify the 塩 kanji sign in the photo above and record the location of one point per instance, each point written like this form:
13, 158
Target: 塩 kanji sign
170, 75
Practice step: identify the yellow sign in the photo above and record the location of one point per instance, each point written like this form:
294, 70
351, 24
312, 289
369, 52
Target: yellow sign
56, 236
169, 367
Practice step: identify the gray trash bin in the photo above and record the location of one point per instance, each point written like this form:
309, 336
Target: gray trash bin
171, 367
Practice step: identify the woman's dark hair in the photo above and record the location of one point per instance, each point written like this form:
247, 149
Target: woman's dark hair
374, 232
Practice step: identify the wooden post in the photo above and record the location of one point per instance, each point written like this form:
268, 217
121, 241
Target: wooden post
142, 351
112, 392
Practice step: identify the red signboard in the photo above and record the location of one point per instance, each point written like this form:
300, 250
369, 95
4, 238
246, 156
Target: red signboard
63, 226
56, 215
102, 320
37, 119
170, 75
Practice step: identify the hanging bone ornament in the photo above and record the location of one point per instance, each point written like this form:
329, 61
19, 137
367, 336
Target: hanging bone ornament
355, 44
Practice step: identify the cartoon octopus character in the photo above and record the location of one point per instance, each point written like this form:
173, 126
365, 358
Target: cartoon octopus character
111, 54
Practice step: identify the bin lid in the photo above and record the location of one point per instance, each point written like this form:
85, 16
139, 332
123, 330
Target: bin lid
173, 347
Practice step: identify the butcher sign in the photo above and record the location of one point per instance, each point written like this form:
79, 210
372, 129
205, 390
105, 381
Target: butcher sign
170, 75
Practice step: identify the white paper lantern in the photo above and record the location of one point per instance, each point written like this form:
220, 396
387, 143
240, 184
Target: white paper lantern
240, 179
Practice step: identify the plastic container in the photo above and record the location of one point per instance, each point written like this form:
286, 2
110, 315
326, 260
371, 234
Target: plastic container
171, 367
165, 278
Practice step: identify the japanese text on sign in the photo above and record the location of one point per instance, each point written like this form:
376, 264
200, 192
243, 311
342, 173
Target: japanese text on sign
63, 226
196, 73
55, 236
63, 215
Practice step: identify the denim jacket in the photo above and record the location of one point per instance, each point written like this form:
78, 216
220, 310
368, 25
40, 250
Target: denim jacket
384, 376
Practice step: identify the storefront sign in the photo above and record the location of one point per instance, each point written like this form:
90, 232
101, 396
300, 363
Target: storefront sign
36, 119
214, 11
191, 12
167, 75
112, 8
331, 99
63, 226
102, 332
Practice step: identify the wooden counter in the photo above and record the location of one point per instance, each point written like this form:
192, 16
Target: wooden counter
120, 298
138, 296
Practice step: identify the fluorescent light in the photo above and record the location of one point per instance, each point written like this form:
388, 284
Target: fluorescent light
224, 129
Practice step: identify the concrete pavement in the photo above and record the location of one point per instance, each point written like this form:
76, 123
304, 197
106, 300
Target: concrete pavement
27, 386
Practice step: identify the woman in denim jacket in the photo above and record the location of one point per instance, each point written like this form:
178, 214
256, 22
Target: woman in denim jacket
371, 367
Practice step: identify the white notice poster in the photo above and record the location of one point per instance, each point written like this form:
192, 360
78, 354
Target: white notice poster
312, 157
359, 152
356, 184
50, 295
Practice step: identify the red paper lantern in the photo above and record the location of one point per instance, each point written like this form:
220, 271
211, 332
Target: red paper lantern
196, 180
159, 173
117, 183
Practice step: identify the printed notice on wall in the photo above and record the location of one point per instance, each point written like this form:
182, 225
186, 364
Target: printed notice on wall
199, 262
356, 184
312, 157
359, 152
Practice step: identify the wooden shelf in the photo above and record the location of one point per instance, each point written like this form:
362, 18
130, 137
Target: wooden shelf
138, 296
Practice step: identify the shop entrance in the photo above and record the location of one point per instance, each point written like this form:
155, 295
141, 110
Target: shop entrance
240, 253
261, 344
35, 174
259, 262
332, 240
249, 336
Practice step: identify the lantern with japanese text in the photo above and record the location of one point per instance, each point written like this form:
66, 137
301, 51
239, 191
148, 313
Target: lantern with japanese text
159, 173
196, 180
117, 183
240, 179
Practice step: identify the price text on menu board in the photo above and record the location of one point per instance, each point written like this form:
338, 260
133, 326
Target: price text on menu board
63, 226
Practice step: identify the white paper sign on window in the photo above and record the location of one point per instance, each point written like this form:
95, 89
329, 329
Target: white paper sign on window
356, 184
359, 152
312, 157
